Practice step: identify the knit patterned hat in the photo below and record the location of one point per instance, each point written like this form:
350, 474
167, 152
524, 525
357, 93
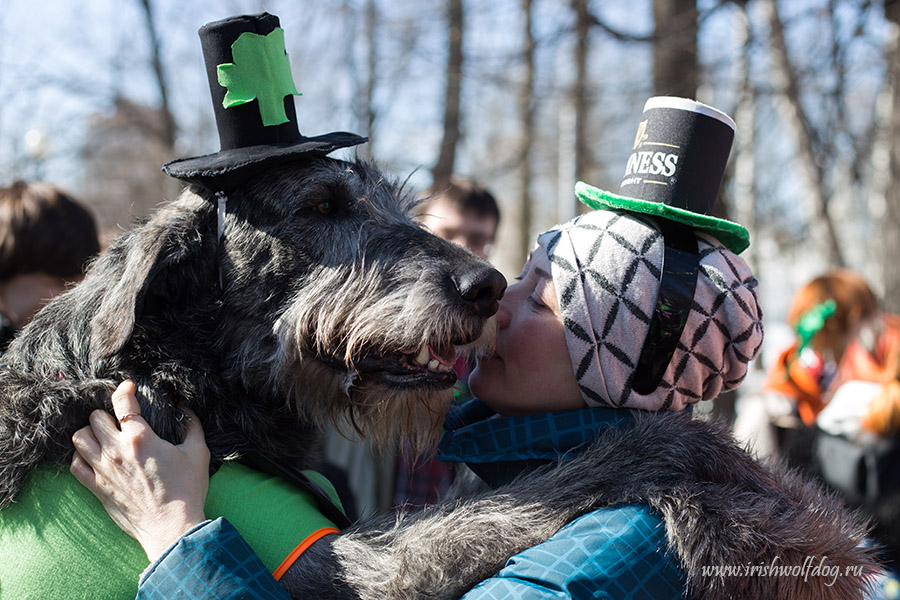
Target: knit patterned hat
606, 267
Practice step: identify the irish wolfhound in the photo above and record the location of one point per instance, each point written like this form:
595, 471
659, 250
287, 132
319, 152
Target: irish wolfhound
323, 298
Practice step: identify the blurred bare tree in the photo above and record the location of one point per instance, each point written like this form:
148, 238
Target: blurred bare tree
580, 101
444, 167
675, 61
364, 82
123, 152
527, 98
813, 149
743, 156
371, 72
891, 223
169, 130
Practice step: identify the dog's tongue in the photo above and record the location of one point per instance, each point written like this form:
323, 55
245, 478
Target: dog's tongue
445, 356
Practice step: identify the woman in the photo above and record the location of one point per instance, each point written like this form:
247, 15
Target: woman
842, 336
615, 327
46, 239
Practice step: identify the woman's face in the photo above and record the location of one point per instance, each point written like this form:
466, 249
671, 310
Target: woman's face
530, 370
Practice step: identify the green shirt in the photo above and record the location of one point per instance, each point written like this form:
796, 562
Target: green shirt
57, 542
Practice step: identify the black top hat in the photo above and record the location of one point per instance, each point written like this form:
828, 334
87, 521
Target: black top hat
675, 169
251, 85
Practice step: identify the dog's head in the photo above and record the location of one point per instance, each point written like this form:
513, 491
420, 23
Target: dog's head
330, 295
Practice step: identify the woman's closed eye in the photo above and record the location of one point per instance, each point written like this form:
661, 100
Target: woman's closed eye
539, 295
543, 296
536, 302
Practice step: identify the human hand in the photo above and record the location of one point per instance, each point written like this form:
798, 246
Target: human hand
154, 491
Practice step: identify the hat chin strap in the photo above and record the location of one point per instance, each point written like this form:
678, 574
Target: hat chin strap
681, 265
221, 202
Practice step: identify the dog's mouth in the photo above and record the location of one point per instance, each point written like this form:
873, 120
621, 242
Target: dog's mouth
424, 367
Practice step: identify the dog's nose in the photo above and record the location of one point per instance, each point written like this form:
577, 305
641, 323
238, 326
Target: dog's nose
481, 288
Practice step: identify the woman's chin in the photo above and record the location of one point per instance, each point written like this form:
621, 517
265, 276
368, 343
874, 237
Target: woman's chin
480, 379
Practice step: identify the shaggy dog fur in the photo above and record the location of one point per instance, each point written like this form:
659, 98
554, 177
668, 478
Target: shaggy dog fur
314, 305
720, 507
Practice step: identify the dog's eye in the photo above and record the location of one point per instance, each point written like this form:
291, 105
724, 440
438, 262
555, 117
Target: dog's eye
324, 207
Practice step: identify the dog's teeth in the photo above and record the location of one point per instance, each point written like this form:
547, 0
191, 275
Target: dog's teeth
433, 365
423, 356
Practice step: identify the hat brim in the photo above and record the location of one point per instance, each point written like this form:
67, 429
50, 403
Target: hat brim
226, 167
732, 235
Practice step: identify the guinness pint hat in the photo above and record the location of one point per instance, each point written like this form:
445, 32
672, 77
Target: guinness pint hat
252, 92
675, 169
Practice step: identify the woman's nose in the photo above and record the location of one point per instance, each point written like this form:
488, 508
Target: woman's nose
503, 311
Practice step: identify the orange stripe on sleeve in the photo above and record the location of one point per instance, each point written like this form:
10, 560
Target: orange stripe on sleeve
300, 549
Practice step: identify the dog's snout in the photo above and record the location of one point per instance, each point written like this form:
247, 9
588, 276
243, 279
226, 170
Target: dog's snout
481, 288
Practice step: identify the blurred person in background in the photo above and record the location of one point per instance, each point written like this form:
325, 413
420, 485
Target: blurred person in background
841, 335
831, 405
466, 213
857, 453
857, 437
463, 212
46, 239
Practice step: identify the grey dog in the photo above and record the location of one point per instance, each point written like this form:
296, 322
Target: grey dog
323, 298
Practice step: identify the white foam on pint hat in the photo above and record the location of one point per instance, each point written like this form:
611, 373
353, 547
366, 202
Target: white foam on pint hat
689, 105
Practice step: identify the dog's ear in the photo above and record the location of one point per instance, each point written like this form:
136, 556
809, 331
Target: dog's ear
114, 321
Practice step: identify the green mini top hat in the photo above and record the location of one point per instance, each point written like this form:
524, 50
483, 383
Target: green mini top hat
675, 169
252, 88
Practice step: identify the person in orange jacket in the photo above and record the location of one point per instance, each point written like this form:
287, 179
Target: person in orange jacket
841, 336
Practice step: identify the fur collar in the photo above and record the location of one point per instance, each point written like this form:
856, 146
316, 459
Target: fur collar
723, 508
720, 507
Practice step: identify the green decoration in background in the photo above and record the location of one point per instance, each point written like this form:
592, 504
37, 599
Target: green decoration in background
261, 72
812, 321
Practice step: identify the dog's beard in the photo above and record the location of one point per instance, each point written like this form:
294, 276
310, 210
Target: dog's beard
415, 417
384, 415
377, 358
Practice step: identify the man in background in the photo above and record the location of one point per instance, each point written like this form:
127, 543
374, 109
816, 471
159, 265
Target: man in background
463, 212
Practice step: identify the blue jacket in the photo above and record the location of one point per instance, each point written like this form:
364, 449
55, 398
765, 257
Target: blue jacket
617, 552
210, 561
614, 552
